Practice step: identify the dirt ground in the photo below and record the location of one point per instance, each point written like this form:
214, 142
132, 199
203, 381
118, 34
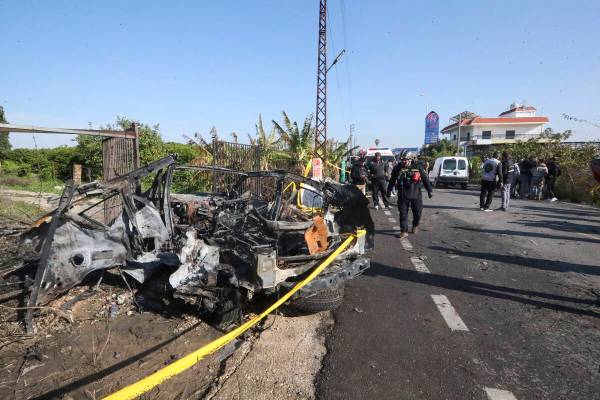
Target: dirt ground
281, 364
81, 351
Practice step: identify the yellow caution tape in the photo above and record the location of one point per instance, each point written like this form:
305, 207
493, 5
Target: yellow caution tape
142, 386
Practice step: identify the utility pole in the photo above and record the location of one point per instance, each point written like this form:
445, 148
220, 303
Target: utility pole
458, 119
458, 137
321, 112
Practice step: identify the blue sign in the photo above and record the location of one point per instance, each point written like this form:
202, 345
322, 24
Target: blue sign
432, 128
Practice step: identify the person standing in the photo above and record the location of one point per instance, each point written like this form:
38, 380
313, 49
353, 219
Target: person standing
515, 181
377, 172
553, 174
538, 175
508, 173
489, 180
525, 167
358, 173
408, 178
389, 167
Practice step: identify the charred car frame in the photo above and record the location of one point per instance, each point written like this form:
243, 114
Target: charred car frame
220, 249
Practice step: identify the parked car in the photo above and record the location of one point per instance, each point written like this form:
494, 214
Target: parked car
450, 171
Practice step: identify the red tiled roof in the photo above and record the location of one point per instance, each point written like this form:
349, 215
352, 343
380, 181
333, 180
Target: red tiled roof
521, 108
508, 120
498, 120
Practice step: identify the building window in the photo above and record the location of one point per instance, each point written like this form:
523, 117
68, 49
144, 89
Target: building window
468, 136
454, 138
486, 134
510, 134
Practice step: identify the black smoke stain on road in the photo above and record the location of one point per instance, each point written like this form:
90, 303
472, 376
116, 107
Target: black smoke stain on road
526, 234
530, 262
485, 289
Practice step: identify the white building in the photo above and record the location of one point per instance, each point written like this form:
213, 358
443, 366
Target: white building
519, 123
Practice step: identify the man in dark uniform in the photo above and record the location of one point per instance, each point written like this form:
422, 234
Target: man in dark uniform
377, 170
358, 173
409, 177
553, 174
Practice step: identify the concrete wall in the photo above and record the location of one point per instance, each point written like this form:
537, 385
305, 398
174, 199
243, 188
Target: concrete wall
522, 131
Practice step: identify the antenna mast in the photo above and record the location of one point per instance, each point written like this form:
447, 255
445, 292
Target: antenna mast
321, 112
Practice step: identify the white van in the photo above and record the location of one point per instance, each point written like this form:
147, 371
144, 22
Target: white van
386, 153
450, 171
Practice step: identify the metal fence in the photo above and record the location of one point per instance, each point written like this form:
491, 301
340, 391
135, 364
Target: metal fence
241, 157
119, 156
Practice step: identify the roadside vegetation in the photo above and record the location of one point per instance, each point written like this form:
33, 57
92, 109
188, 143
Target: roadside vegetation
576, 183
284, 145
20, 212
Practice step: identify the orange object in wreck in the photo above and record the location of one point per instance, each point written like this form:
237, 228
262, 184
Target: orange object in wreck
316, 236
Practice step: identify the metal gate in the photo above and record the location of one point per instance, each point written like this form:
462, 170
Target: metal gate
119, 156
241, 157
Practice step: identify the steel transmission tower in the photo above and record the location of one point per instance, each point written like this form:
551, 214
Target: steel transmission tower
321, 112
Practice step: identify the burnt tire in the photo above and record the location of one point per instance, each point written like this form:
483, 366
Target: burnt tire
324, 300
228, 313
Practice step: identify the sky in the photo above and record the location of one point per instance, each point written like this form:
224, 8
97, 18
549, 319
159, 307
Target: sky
192, 65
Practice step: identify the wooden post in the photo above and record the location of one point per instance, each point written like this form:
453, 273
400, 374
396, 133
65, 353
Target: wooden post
136, 159
77, 174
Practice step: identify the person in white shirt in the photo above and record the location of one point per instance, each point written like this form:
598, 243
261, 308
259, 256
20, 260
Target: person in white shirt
489, 180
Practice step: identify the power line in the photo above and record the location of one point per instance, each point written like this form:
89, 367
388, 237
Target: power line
580, 120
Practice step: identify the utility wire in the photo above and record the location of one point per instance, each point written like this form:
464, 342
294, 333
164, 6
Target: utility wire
337, 75
347, 60
581, 120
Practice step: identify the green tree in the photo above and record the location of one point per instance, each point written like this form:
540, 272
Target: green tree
336, 152
443, 148
90, 147
4, 142
298, 143
270, 145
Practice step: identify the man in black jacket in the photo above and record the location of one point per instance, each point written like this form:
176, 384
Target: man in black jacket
358, 173
409, 177
377, 170
553, 174
525, 167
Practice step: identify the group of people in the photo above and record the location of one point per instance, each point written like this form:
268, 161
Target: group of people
403, 178
531, 178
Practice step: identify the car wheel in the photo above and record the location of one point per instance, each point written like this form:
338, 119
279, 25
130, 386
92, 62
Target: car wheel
464, 186
324, 300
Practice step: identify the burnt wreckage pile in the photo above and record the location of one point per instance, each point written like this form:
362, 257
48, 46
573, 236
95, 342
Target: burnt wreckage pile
219, 249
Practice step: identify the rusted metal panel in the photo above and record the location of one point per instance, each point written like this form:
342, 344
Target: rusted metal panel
237, 156
119, 157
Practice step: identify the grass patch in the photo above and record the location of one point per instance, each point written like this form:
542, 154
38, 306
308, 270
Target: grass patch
30, 184
20, 211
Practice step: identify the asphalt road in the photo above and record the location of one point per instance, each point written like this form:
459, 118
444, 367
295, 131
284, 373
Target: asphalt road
495, 306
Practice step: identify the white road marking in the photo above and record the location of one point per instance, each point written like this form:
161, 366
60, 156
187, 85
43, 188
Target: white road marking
419, 265
498, 394
406, 244
589, 236
449, 313
387, 212
392, 220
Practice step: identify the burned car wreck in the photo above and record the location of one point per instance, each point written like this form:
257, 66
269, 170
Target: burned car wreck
219, 249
